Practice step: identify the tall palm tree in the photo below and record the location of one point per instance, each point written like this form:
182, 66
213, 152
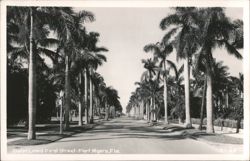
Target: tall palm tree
200, 83
185, 23
111, 98
86, 96
217, 32
79, 85
98, 83
90, 60
67, 26
32, 84
236, 99
161, 51
147, 76
94, 59
145, 94
31, 33
176, 83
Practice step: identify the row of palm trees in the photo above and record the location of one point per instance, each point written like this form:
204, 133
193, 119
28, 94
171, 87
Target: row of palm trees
35, 34
193, 33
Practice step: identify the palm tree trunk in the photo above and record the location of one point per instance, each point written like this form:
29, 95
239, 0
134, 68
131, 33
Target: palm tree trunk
151, 109
209, 105
86, 97
136, 107
154, 114
32, 86
61, 116
142, 109
165, 100
187, 94
147, 110
137, 111
238, 120
134, 111
107, 112
99, 107
179, 120
203, 103
91, 100
227, 99
165, 95
67, 93
80, 102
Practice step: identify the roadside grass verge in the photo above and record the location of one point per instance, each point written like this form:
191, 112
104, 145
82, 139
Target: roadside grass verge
216, 138
45, 135
199, 135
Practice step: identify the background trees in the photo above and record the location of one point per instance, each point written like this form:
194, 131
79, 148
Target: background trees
27, 33
194, 33
216, 33
161, 51
186, 43
61, 55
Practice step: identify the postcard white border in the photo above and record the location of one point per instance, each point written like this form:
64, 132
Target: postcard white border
121, 3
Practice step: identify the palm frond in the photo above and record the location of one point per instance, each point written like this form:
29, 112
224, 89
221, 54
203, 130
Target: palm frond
86, 16
180, 70
232, 50
100, 49
167, 36
169, 20
49, 42
49, 53
151, 47
101, 57
173, 66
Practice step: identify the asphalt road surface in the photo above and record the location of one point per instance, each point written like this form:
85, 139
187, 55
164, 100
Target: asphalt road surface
122, 136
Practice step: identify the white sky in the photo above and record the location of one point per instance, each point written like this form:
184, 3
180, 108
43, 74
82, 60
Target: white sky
125, 31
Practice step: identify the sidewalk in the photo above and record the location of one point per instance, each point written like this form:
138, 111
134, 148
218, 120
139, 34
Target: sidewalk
45, 134
226, 131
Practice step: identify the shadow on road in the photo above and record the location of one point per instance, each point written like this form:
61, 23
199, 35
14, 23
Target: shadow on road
119, 129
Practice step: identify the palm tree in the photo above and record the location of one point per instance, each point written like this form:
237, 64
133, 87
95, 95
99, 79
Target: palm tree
149, 64
220, 84
79, 84
31, 35
86, 96
161, 51
176, 83
98, 83
68, 25
185, 22
216, 29
200, 83
88, 59
93, 59
111, 99
236, 99
145, 93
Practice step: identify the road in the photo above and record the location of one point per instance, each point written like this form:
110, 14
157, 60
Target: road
122, 136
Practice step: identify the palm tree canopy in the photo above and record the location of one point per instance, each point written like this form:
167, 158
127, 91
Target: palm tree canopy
185, 23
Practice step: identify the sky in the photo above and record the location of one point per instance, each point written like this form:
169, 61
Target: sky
125, 31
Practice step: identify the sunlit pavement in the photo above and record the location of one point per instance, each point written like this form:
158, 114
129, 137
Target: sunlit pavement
122, 136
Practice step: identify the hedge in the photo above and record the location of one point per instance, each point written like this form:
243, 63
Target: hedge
218, 122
